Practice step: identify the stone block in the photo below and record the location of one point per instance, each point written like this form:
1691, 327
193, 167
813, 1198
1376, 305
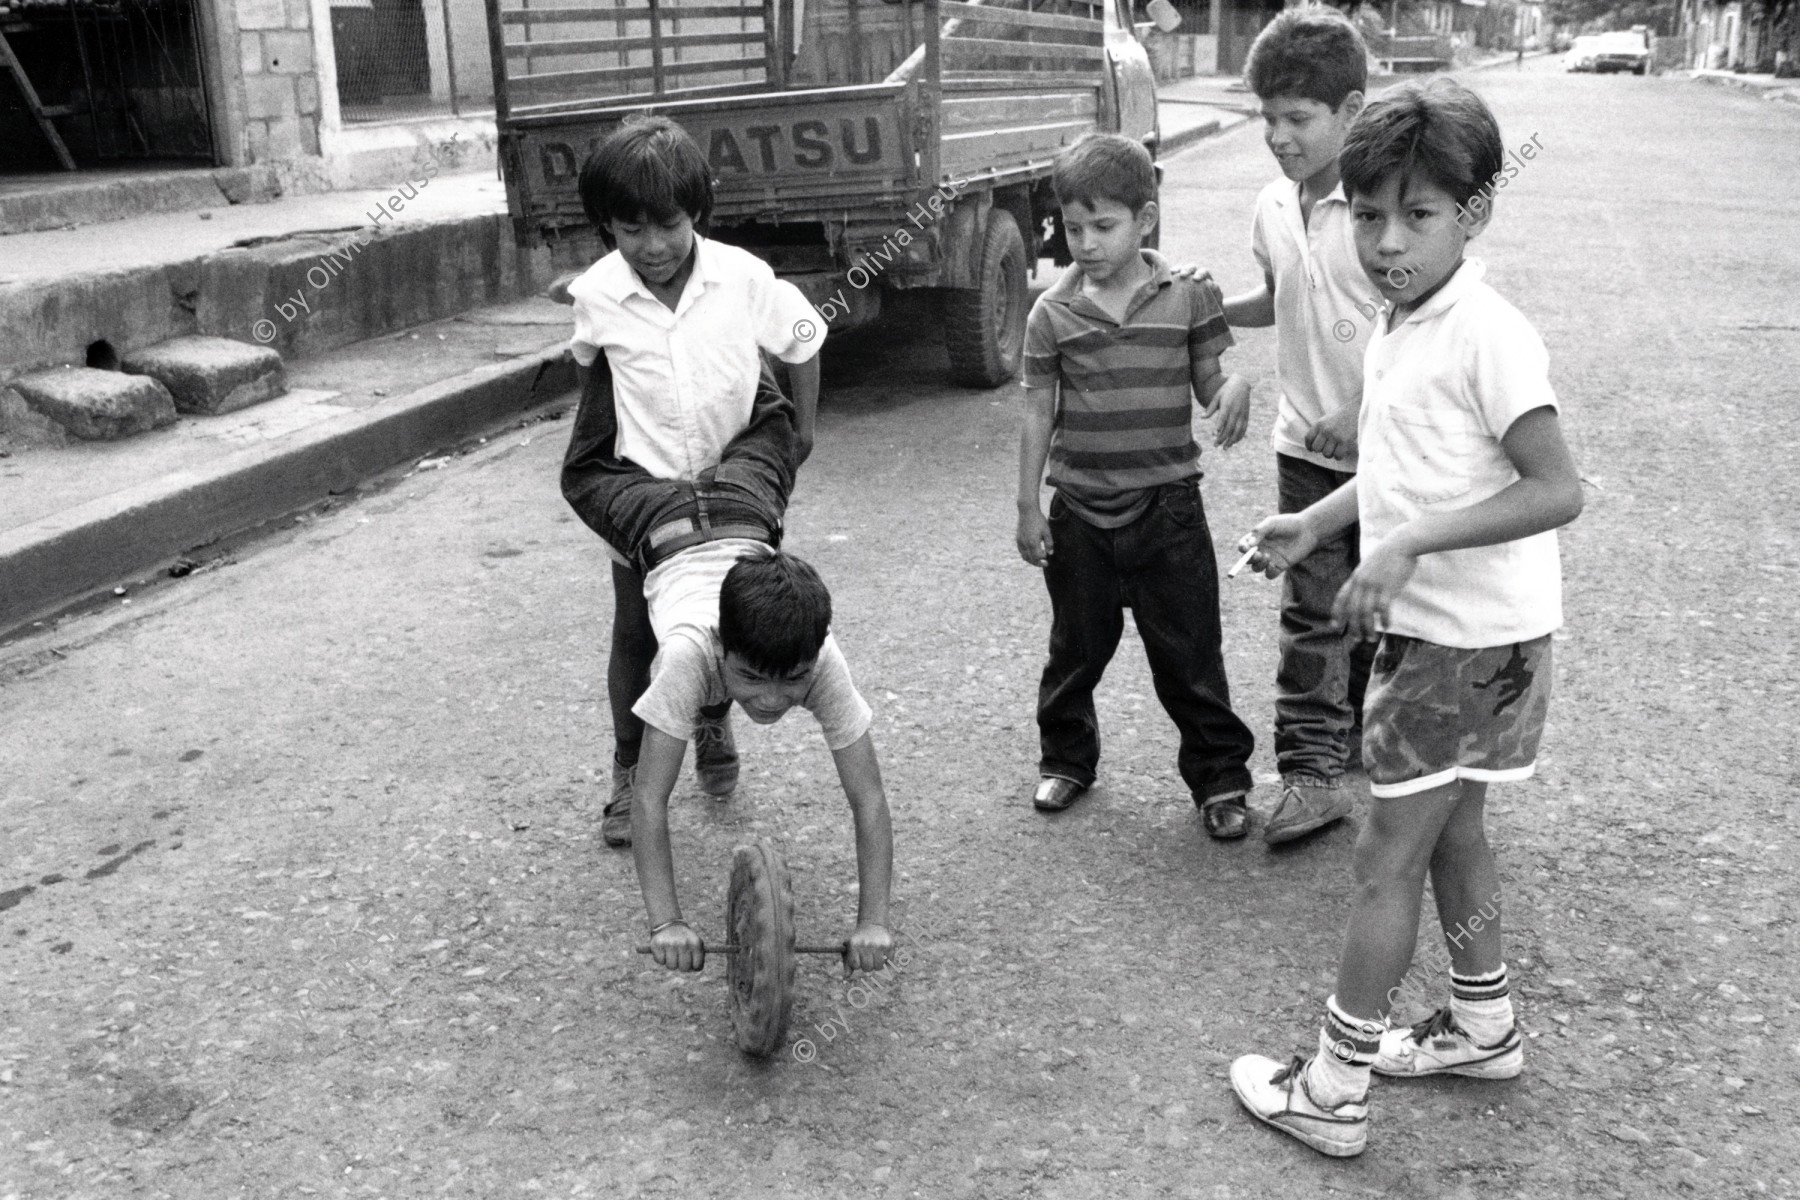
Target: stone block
246, 185
269, 97
256, 140
309, 135
262, 14
97, 406
250, 52
299, 14
284, 138
306, 94
211, 374
23, 425
288, 53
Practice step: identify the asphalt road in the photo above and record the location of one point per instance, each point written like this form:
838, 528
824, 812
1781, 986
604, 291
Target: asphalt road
301, 891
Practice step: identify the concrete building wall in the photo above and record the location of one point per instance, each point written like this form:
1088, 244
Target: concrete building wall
278, 74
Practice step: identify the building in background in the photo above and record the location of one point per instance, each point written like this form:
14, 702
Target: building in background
323, 93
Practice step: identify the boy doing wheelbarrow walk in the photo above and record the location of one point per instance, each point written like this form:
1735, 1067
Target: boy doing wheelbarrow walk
737, 621
1115, 353
1463, 481
681, 321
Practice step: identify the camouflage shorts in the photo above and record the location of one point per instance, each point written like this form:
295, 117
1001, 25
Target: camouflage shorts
1435, 714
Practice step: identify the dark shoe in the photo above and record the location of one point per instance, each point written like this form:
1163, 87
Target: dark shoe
615, 824
1226, 817
1306, 804
1054, 793
716, 756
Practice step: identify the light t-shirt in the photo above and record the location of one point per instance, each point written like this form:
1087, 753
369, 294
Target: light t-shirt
1439, 392
683, 589
689, 673
1325, 311
684, 380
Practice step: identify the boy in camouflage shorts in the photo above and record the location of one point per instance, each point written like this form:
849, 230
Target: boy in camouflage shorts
1464, 479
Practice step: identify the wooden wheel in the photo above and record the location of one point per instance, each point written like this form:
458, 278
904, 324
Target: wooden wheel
759, 919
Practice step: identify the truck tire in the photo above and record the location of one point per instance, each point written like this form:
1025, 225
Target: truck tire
984, 327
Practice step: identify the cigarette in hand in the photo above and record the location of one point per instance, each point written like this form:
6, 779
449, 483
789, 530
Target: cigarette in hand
1243, 562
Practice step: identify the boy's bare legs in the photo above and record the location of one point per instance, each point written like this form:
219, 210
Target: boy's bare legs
1475, 1035
1467, 887
627, 676
1395, 851
1323, 1101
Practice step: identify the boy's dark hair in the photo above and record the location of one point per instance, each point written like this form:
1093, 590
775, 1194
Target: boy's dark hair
1105, 166
1312, 52
774, 612
647, 167
1438, 130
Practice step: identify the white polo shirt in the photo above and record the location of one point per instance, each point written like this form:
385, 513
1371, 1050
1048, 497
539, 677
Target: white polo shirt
1439, 392
684, 380
1325, 310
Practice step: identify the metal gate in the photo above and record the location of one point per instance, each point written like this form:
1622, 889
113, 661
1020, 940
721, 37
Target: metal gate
84, 82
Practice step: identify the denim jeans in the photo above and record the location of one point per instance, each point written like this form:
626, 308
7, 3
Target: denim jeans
628, 666
1322, 675
1161, 566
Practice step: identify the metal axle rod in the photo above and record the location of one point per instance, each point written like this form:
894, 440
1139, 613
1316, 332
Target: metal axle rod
734, 948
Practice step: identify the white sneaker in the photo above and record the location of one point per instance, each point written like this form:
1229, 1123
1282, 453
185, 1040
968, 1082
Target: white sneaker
1278, 1096
1439, 1046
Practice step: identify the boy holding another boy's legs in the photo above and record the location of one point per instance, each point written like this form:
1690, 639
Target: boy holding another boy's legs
1309, 68
1464, 478
1115, 354
737, 621
682, 321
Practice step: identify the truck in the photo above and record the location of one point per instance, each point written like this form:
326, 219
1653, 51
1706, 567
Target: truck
860, 147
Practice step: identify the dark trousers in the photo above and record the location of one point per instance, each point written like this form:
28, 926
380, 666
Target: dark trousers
1161, 566
628, 666
1322, 674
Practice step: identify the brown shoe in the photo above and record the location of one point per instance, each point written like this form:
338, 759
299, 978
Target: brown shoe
615, 824
1225, 817
1306, 804
715, 756
1054, 793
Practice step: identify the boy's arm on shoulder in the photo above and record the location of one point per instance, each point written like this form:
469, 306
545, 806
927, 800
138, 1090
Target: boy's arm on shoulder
1254, 309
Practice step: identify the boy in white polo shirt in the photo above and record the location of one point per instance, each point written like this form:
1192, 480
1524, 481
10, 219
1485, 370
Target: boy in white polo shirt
1464, 478
1309, 68
683, 322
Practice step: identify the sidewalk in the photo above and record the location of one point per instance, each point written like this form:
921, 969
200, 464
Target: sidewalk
1767, 86
379, 375
77, 519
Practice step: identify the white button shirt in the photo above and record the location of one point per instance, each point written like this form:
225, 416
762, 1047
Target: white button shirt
1325, 310
684, 380
1439, 392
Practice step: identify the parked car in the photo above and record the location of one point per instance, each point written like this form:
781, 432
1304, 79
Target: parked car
1625, 51
1582, 52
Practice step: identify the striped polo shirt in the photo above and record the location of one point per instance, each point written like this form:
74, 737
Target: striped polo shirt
1124, 421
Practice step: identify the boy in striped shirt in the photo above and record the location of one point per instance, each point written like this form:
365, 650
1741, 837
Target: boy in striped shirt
1114, 353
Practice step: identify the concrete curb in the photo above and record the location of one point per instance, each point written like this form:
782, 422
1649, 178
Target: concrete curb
1183, 138
50, 563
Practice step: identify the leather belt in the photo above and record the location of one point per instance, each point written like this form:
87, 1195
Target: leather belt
672, 537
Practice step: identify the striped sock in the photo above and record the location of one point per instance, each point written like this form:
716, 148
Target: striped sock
1482, 1004
1347, 1046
